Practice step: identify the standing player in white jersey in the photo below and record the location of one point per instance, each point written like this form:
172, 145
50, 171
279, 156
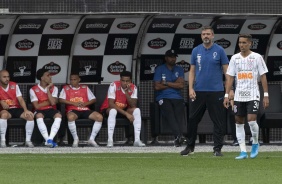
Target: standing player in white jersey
247, 66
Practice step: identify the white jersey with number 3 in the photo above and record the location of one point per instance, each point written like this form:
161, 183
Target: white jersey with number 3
247, 70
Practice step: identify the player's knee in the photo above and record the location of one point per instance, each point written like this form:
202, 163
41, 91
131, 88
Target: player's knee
58, 115
71, 117
39, 115
99, 117
4, 115
113, 112
137, 112
29, 118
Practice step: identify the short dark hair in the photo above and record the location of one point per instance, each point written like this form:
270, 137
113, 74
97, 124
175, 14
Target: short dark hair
74, 73
207, 27
126, 74
248, 36
40, 73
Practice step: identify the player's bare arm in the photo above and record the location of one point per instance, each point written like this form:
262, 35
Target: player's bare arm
265, 90
52, 100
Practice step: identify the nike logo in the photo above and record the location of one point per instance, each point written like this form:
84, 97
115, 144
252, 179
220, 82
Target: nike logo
220, 98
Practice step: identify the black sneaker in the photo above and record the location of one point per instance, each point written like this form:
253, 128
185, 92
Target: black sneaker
177, 142
183, 140
187, 151
235, 143
217, 153
128, 142
155, 142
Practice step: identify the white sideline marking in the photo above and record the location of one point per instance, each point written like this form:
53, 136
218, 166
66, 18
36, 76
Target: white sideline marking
137, 157
126, 149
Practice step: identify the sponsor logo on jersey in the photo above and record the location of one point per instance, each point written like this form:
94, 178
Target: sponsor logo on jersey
250, 63
192, 26
256, 26
121, 105
76, 99
244, 93
120, 43
10, 102
223, 43
116, 68
245, 75
1, 26
90, 44
24, 45
157, 43
59, 26
186, 43
55, 44
126, 25
185, 65
52, 68
176, 74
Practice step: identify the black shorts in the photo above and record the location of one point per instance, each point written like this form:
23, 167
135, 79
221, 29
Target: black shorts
244, 108
16, 112
47, 113
82, 114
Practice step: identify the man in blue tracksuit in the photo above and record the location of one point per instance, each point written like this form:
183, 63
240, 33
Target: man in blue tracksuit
206, 89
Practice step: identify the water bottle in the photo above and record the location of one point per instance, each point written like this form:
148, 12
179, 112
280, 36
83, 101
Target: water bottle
163, 78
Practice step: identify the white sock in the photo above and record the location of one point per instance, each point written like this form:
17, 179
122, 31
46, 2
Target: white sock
137, 123
96, 128
240, 134
42, 128
3, 129
29, 126
55, 127
255, 131
72, 127
111, 123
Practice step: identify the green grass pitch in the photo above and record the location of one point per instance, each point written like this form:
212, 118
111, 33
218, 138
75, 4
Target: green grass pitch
134, 168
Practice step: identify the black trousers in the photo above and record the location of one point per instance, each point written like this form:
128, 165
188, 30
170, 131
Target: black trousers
232, 123
213, 102
173, 111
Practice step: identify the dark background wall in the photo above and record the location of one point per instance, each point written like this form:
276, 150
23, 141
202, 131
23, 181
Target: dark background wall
165, 6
